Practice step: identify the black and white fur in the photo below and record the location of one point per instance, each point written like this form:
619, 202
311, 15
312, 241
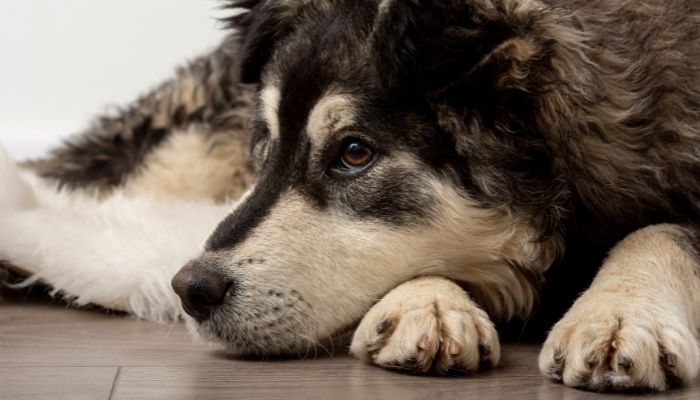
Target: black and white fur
516, 144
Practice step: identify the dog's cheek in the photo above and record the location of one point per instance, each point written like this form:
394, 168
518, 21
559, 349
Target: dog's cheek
338, 265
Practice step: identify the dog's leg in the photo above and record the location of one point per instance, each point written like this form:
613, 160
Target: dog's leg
427, 324
636, 326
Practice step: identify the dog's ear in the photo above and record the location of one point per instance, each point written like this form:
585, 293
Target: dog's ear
452, 52
259, 25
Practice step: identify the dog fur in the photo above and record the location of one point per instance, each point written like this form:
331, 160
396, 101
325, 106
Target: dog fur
516, 143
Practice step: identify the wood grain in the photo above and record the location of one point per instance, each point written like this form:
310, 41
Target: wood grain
50, 352
56, 383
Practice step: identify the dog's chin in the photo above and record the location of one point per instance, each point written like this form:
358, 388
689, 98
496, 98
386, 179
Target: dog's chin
251, 340
257, 347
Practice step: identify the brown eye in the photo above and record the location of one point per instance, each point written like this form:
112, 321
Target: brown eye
355, 154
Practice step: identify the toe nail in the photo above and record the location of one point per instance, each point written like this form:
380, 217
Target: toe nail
624, 362
484, 350
558, 355
455, 348
671, 360
423, 343
591, 361
383, 326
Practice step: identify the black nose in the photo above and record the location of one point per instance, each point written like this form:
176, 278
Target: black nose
201, 289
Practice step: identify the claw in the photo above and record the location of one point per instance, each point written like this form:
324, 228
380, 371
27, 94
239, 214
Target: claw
424, 343
455, 348
558, 355
624, 362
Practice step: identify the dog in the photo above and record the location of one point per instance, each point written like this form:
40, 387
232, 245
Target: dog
422, 168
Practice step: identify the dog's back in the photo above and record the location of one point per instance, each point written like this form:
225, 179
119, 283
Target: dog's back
628, 125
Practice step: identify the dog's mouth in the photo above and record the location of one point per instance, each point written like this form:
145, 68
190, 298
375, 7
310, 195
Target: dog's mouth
290, 344
263, 323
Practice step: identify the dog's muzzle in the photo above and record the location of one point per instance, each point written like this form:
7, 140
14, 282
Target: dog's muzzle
201, 289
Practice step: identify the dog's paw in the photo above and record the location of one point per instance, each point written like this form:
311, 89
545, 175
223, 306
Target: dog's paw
620, 349
429, 324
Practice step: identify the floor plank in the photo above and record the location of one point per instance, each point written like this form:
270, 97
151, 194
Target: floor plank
37, 334
48, 351
345, 378
56, 383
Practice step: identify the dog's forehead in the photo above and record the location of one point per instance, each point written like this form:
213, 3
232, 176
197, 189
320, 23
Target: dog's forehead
331, 112
308, 81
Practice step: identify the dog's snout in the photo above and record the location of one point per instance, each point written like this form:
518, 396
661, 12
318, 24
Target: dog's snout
201, 289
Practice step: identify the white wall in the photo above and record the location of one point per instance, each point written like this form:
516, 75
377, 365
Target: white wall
64, 61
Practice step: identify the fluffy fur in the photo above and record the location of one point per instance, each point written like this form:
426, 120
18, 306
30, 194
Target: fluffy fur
119, 252
17, 193
512, 145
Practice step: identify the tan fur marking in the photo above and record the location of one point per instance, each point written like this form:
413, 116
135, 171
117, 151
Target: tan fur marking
270, 97
190, 166
331, 113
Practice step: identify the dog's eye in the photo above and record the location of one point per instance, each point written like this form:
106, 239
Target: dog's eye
355, 154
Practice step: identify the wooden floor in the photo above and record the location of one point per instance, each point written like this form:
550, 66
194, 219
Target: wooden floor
50, 352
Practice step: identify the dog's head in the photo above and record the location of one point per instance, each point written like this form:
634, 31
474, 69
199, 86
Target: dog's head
391, 141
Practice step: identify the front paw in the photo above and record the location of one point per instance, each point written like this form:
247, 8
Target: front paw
429, 324
619, 349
